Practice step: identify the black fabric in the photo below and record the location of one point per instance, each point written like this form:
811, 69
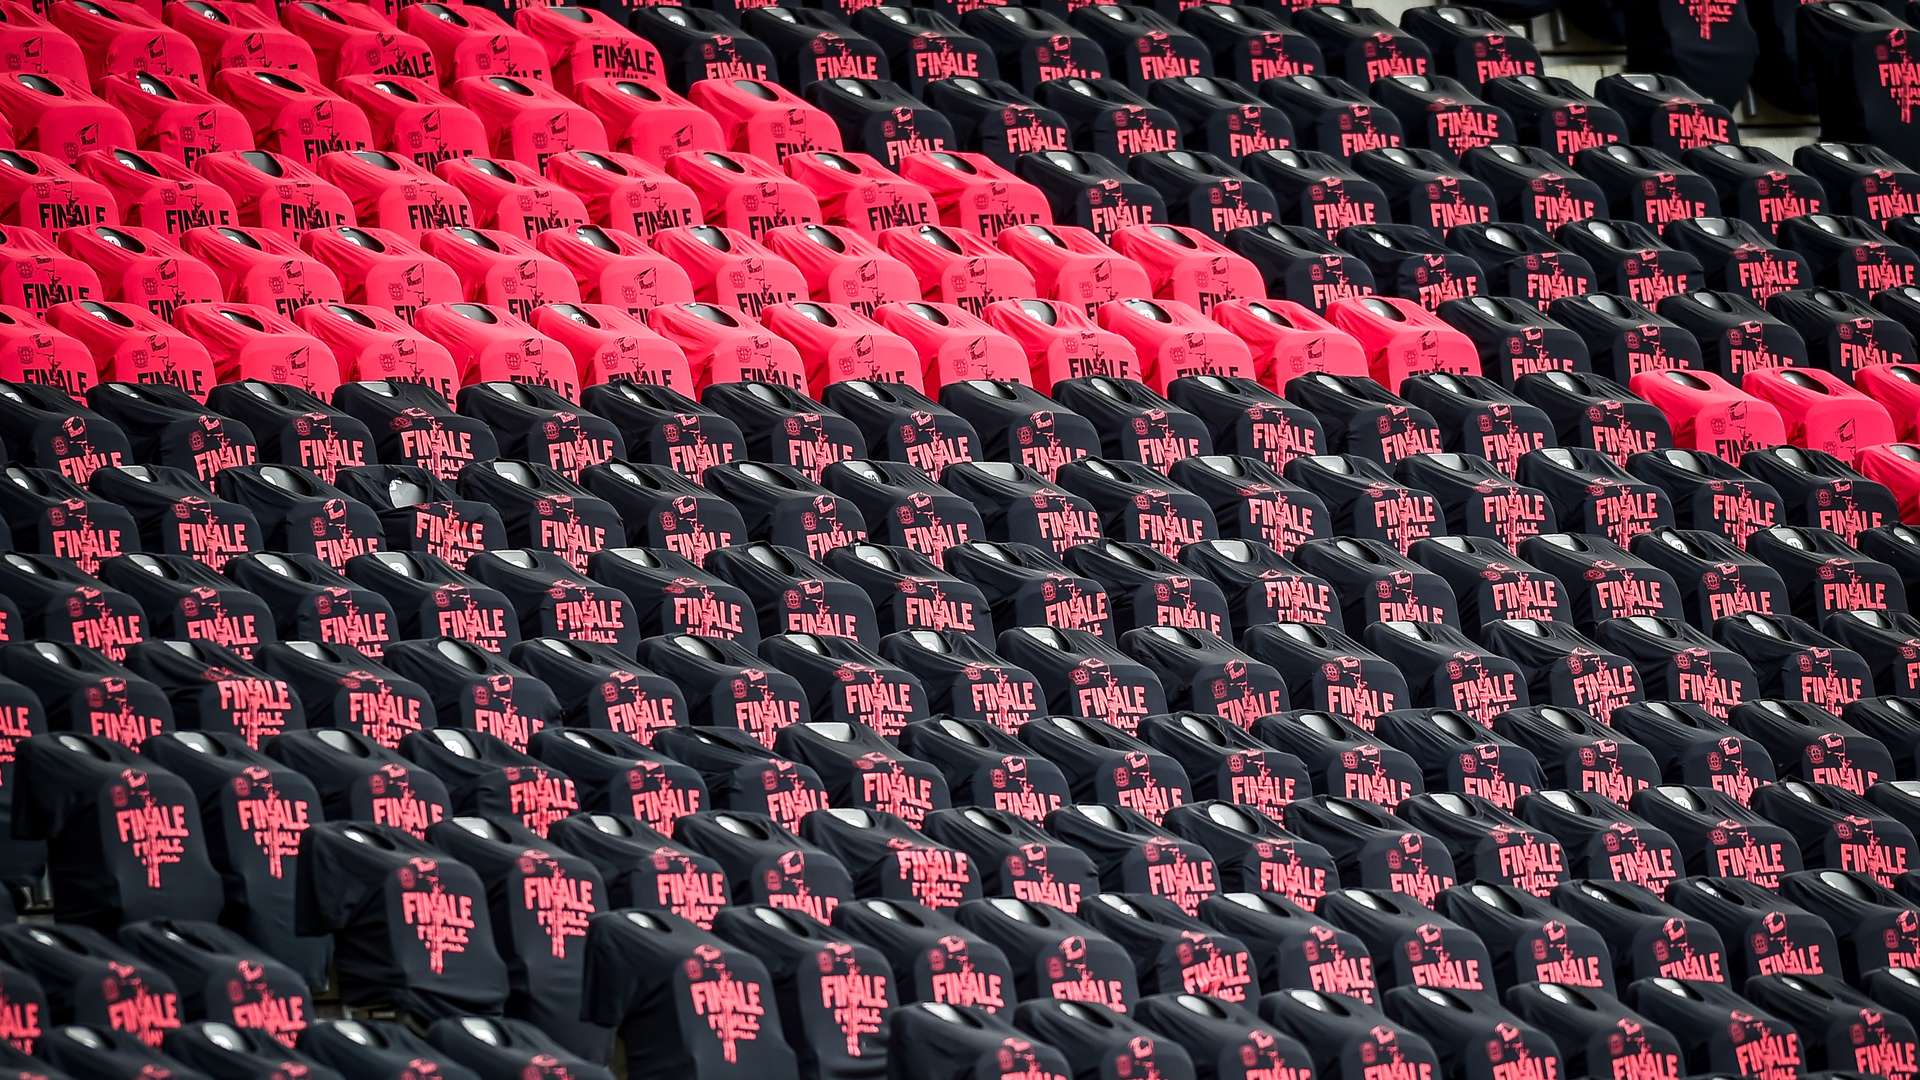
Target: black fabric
409, 924
600, 687
966, 1043
1251, 46
1735, 256
421, 512
683, 1001
1106, 765
1719, 1030
1087, 190
1766, 933
1298, 262
1665, 113
1261, 585
1330, 116
1603, 841
765, 862
1447, 670
889, 859
1474, 46
1101, 1042
294, 426
382, 1049
919, 432
107, 1054
47, 514
413, 425
341, 687
1344, 759
166, 426
1083, 675
478, 690
1133, 855
360, 780
1877, 927
1199, 671
312, 601
1361, 45
859, 768
1735, 334
487, 777
1173, 952
791, 593
509, 1050
1887, 640
1346, 1038
1015, 858
996, 118
1710, 495
1579, 752
741, 774
553, 599
1424, 188
1721, 837
1650, 938
1554, 114
1223, 117
1487, 842
1840, 1027
184, 599
1255, 854
47, 429
1146, 588
785, 427
1478, 417
1205, 193
255, 812
431, 599
933, 957
1714, 49
1412, 945
1362, 419
87, 979
1319, 193
225, 1052
1139, 505
701, 45
985, 766
1490, 582
1823, 491
1408, 262
1224, 1040
80, 690
1844, 333
1796, 662
1019, 425
539, 424
642, 869
1325, 669
1293, 948
1475, 1037
925, 47
1849, 254
1530, 185
1597, 1034
1018, 505
910, 593
1372, 848
1895, 721
224, 978
1564, 667
662, 427
1522, 262
1440, 114
616, 774
1755, 185
539, 899
965, 679
1696, 748
663, 509
1839, 830
1366, 503
300, 513
1891, 988
1593, 411
1251, 501
1679, 663
1596, 497
1861, 179
1528, 938
1455, 753
1223, 761
834, 994
845, 682
544, 510
49, 597
176, 515
1826, 578
1135, 424
1646, 185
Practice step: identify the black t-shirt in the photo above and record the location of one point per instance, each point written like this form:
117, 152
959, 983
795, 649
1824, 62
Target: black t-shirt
1412, 945
1490, 583
889, 859
360, 780
1224, 1040
1736, 336
1603, 841
1363, 419
409, 924
1650, 938
1665, 113
539, 424
1019, 425
1716, 578
1887, 639
1456, 753
965, 679
1735, 256
1595, 412
216, 688
553, 599
1839, 830
1594, 496
859, 768
1202, 671
1426, 188
228, 1053
1261, 585
544, 510
1347, 1039
421, 512
478, 690
784, 426
164, 425
1299, 262
1580, 752
21, 718
1597, 1034
909, 592
1563, 667
847, 683
49, 597
1372, 848
1015, 858
1709, 495
1515, 338
1720, 1031
1529, 939
1681, 664
1697, 748
1247, 419
177, 515
1326, 669
1104, 764
1603, 580
105, 1053
1331, 117
663, 427
1133, 855
985, 766
510, 1050
1137, 504
740, 773
1756, 185
1822, 491
47, 514
312, 601
793, 594
1293, 948
1018, 505
1488, 843
256, 812
966, 1044
1025, 585
294, 426
1254, 853
1445, 669
431, 598
933, 957
904, 507
539, 898
413, 425
1223, 761
1376, 581
1476, 498
300, 513
616, 774
1826, 578
1344, 758
1530, 185
342, 688
918, 431
386, 1049
1767, 934
1252, 502
1895, 721
663, 509
725, 685
124, 836
601, 687
1523, 262
1849, 254
1645, 185
1146, 587
1717, 836
1877, 927
1134, 422
184, 599
833, 993
224, 977
89, 979
642, 869
47, 429
1812, 744
1797, 662
1102, 1042
1173, 952
1842, 1028
1896, 545
766, 863
1891, 988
